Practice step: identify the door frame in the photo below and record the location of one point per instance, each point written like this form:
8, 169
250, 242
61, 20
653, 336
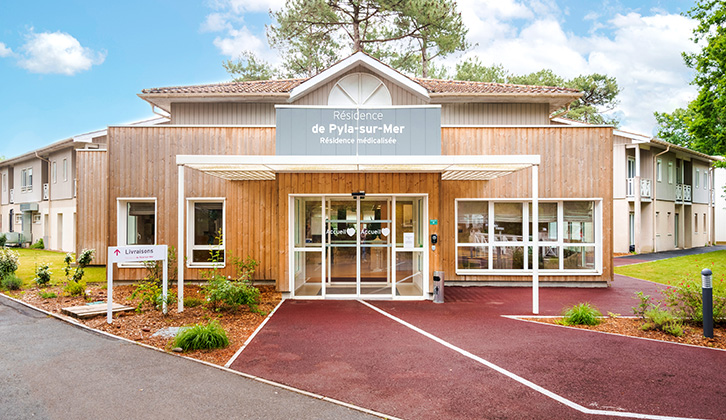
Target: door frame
392, 263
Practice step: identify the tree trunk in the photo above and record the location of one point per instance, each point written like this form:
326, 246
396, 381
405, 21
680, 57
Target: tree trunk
357, 44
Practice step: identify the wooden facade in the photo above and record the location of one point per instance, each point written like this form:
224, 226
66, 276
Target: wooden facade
576, 163
93, 209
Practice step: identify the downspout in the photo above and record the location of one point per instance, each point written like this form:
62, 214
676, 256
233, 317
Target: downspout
655, 195
153, 109
49, 200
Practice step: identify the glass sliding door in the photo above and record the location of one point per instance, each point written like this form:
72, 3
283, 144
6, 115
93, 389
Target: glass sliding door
369, 246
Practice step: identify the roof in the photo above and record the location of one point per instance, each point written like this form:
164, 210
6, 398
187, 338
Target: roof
429, 90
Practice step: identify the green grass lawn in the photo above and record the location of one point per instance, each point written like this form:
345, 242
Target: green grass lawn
29, 258
673, 271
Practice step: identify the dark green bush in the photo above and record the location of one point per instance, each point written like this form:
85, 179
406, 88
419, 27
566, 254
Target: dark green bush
47, 295
231, 294
8, 262
3, 239
11, 282
38, 244
581, 314
192, 301
151, 293
75, 288
686, 301
202, 337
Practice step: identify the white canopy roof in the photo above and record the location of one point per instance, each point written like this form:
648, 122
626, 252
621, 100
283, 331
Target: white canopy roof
264, 167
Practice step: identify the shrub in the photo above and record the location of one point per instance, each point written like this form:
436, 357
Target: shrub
11, 282
38, 244
42, 274
75, 288
155, 270
582, 314
244, 268
643, 306
193, 301
151, 293
686, 301
47, 295
232, 294
202, 337
3, 239
8, 262
659, 319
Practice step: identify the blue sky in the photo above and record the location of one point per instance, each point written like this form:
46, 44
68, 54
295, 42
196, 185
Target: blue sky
70, 67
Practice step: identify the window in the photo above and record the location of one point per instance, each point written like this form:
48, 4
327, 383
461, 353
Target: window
705, 180
670, 172
19, 218
137, 221
206, 230
698, 177
54, 171
658, 170
704, 222
695, 225
26, 180
36, 218
5, 182
65, 170
495, 236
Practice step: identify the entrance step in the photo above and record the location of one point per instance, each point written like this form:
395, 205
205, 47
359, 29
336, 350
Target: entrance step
94, 309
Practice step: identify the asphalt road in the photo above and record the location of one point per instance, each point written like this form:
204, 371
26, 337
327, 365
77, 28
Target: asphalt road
50, 369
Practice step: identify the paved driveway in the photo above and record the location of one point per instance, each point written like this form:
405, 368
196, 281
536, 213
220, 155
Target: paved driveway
53, 370
464, 360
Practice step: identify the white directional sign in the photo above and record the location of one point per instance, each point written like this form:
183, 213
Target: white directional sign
137, 253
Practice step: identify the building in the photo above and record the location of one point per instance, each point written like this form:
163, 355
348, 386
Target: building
720, 205
663, 195
359, 182
39, 191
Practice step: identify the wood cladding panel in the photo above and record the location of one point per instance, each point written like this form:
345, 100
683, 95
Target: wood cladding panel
151, 171
92, 219
224, 113
494, 114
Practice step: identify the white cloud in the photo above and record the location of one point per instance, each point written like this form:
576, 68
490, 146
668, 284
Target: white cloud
642, 52
58, 53
239, 40
5, 51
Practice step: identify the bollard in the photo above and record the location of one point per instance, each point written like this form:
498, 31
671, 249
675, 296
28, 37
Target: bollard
707, 290
438, 287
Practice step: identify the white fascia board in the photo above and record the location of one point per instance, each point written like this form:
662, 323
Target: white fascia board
637, 138
342, 66
330, 160
88, 137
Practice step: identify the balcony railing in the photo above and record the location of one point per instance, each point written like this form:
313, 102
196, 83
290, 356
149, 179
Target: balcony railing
645, 188
683, 193
45, 191
630, 187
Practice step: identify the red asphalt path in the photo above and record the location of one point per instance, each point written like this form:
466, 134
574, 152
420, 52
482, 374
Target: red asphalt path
347, 351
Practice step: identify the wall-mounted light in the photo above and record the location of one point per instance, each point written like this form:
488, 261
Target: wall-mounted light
361, 194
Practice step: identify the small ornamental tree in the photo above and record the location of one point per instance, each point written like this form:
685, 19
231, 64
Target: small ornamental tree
76, 286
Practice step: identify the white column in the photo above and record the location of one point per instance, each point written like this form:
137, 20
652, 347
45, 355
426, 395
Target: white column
637, 203
180, 252
535, 239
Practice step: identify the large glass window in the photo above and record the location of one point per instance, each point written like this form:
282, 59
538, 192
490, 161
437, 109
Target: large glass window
566, 233
207, 244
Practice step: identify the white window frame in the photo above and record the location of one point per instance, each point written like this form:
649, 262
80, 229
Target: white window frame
670, 172
695, 224
54, 171
698, 178
36, 218
122, 218
659, 170
26, 180
5, 182
19, 218
65, 170
705, 179
190, 233
527, 243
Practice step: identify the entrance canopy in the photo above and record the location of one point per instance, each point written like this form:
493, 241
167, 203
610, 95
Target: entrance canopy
451, 167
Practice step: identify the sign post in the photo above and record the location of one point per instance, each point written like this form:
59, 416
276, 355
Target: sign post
134, 253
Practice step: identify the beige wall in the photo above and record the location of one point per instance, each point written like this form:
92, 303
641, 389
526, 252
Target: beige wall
62, 188
37, 192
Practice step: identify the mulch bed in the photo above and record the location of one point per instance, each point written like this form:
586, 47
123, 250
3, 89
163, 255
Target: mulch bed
632, 327
139, 326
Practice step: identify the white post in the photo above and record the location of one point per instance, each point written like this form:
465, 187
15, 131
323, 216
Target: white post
535, 239
165, 281
180, 252
109, 287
